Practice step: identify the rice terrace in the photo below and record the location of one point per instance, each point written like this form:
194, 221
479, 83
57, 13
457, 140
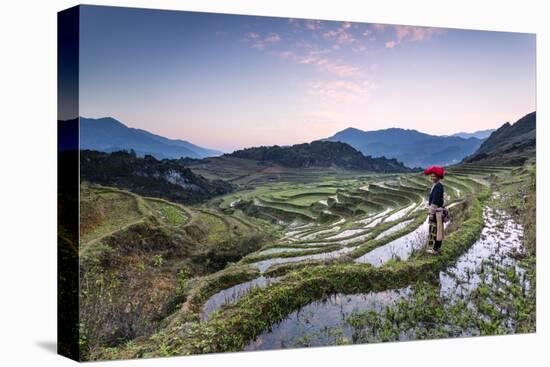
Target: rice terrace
239, 183
309, 260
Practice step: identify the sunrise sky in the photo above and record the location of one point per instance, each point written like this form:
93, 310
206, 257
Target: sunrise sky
230, 81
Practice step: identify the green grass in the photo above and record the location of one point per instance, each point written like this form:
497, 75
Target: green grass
171, 214
102, 212
294, 200
215, 226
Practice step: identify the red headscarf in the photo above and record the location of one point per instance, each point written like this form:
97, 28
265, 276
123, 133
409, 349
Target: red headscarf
440, 171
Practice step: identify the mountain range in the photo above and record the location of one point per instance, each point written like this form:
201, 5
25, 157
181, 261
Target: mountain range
480, 134
382, 150
108, 135
510, 144
411, 147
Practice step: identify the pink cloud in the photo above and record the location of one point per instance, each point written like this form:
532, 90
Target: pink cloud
341, 35
272, 38
416, 33
409, 33
342, 91
307, 53
402, 31
258, 42
313, 25
346, 25
338, 69
330, 34
325, 64
308, 59
345, 38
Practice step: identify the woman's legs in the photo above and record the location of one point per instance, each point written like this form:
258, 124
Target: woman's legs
432, 242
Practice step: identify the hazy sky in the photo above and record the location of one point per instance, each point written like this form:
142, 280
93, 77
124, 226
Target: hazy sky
230, 81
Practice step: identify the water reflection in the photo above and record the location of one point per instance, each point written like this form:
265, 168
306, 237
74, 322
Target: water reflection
307, 325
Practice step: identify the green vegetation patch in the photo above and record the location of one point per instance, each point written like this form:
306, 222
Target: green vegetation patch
102, 212
169, 213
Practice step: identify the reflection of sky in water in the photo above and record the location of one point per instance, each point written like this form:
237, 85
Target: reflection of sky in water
265, 264
346, 233
277, 250
378, 217
400, 248
499, 237
394, 229
319, 233
401, 213
316, 317
233, 294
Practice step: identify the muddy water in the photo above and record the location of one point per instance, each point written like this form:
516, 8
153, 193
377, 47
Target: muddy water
308, 324
400, 248
233, 294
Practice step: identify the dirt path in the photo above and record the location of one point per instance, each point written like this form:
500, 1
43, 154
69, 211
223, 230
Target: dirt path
85, 246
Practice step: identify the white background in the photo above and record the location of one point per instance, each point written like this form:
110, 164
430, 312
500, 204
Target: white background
28, 184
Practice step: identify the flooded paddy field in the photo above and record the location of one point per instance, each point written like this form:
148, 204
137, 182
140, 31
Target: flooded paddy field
345, 263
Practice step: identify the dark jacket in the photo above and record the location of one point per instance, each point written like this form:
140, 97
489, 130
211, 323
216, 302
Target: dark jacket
436, 195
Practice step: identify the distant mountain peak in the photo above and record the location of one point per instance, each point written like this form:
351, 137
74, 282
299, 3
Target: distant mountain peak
351, 130
108, 134
479, 134
410, 146
104, 120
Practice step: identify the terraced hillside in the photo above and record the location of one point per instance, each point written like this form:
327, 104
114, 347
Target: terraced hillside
312, 261
139, 254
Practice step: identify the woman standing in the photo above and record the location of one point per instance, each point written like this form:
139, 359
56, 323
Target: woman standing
435, 209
